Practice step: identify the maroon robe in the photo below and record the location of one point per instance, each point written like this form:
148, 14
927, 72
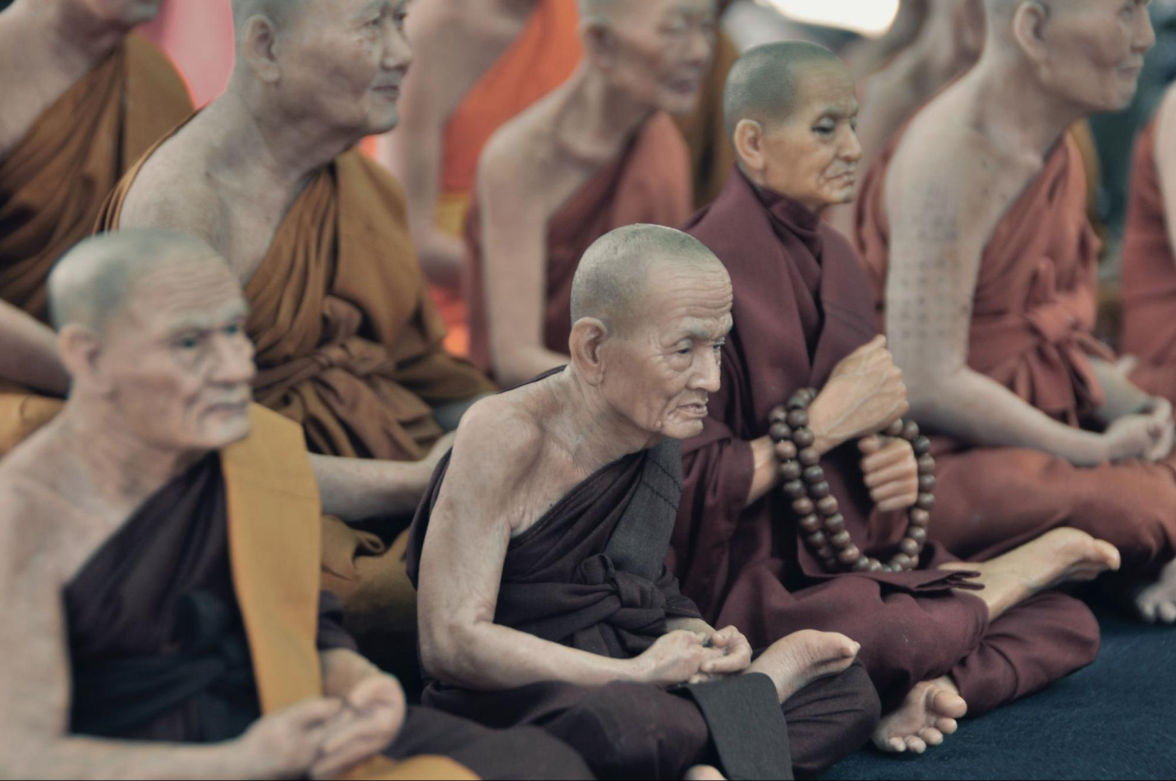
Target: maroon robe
802, 304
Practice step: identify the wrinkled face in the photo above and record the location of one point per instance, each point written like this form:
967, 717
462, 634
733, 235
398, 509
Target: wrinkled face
342, 61
658, 51
125, 13
812, 155
662, 367
1095, 51
177, 359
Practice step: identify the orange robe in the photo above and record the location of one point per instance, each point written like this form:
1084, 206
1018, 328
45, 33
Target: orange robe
1033, 315
543, 56
1149, 276
648, 182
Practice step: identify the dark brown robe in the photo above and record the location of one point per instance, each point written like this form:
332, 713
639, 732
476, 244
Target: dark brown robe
802, 303
1033, 316
566, 580
650, 181
161, 650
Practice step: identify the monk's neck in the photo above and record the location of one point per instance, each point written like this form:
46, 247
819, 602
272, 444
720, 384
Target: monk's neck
1011, 109
932, 60
73, 41
588, 428
594, 118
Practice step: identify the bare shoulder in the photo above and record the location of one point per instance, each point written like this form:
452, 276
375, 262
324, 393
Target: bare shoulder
33, 524
516, 158
499, 440
170, 191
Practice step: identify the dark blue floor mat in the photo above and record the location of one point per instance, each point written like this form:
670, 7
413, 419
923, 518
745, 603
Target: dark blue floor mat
1113, 719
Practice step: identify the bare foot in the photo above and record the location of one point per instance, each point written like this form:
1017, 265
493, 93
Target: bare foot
927, 714
1061, 555
1157, 601
704, 773
796, 660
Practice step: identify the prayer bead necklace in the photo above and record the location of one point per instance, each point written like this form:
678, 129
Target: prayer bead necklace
820, 522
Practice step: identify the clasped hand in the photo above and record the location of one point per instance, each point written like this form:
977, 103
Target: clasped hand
864, 394
683, 656
891, 472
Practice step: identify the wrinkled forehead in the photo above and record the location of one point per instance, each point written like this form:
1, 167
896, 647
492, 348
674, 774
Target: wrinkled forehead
825, 85
654, 12
687, 299
200, 295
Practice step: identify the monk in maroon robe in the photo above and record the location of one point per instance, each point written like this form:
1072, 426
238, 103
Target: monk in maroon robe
803, 315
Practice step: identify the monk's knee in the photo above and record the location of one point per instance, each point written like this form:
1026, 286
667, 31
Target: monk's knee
831, 718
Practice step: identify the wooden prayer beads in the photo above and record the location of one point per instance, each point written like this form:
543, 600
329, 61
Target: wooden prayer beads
820, 523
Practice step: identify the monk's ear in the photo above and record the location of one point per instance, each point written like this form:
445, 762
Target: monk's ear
80, 349
600, 44
584, 345
1029, 23
748, 140
260, 48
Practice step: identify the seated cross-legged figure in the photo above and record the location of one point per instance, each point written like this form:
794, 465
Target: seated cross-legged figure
540, 551
600, 152
349, 345
83, 98
974, 231
806, 517
159, 549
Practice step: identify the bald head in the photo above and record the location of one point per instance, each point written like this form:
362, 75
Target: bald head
278, 12
612, 279
765, 82
93, 281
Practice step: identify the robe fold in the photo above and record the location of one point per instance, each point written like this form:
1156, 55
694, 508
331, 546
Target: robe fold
711, 152
1149, 276
571, 578
1032, 331
648, 182
202, 612
802, 304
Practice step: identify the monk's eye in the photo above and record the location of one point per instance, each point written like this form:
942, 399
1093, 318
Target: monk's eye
824, 129
187, 342
233, 330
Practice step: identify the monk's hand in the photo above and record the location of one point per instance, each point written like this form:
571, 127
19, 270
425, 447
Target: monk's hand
1133, 436
1161, 411
675, 657
736, 654
864, 394
286, 744
891, 472
372, 717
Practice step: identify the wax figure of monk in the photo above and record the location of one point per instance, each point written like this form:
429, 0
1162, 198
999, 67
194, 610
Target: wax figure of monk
348, 342
975, 235
159, 545
750, 542
82, 100
478, 64
599, 152
1149, 264
545, 597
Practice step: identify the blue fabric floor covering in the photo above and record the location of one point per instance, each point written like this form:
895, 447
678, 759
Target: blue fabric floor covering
1113, 719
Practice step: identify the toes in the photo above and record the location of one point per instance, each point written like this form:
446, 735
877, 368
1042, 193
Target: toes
1166, 612
893, 745
1147, 611
946, 726
915, 744
931, 736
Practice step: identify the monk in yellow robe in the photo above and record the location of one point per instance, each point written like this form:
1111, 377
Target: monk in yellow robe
172, 624
83, 98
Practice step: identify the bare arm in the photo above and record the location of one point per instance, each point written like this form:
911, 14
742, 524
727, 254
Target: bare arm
514, 260
28, 352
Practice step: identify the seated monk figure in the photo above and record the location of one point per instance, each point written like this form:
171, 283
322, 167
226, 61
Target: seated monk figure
478, 63
974, 231
83, 99
348, 341
1149, 263
159, 546
600, 152
540, 551
775, 507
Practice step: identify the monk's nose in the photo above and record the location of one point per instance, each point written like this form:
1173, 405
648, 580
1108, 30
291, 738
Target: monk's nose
708, 378
397, 50
233, 362
1146, 38
852, 147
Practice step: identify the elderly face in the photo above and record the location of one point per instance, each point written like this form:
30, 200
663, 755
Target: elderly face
127, 13
661, 368
178, 361
1095, 50
343, 61
812, 155
659, 51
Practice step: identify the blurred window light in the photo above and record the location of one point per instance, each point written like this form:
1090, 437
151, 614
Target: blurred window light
867, 17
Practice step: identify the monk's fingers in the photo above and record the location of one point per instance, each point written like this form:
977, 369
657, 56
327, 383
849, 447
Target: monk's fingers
901, 472
870, 445
903, 502
931, 736
728, 665
896, 454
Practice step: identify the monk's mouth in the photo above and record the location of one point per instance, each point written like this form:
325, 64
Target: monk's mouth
390, 92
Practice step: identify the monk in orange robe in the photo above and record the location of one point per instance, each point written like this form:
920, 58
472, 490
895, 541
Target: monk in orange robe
974, 230
348, 342
83, 99
1149, 264
479, 63
173, 625
597, 153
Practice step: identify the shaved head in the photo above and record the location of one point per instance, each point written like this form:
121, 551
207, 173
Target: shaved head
279, 12
91, 282
764, 83
612, 278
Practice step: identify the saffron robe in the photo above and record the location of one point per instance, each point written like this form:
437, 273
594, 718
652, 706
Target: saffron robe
1033, 316
1149, 276
802, 304
569, 580
648, 182
203, 611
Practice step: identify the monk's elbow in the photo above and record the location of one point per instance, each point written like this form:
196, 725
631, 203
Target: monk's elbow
445, 648
925, 394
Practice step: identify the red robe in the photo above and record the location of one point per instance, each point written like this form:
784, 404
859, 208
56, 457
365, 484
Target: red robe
1032, 331
802, 304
